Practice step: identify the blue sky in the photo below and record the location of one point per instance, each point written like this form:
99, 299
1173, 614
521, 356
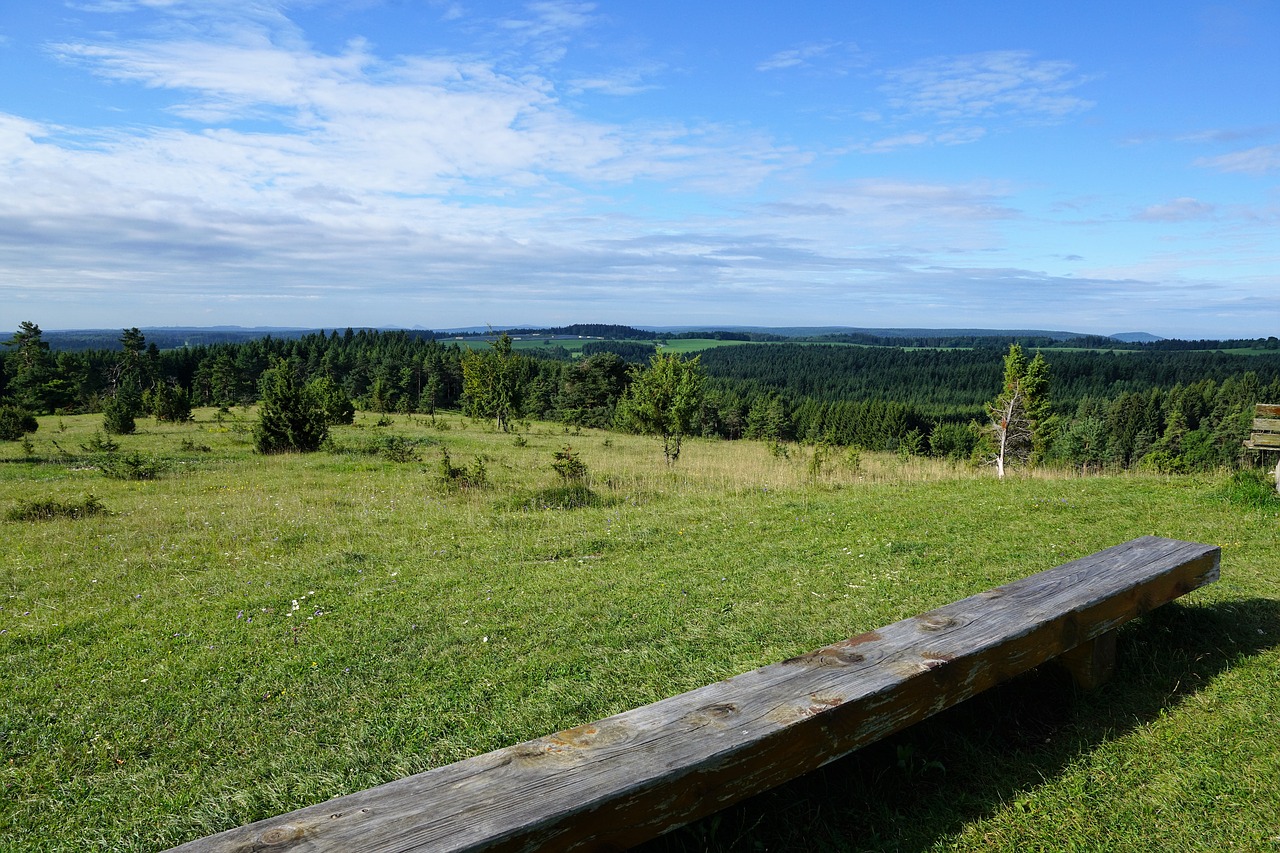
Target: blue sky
1096, 167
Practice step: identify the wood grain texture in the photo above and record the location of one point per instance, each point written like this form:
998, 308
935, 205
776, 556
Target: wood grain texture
622, 780
1266, 410
1266, 424
1264, 440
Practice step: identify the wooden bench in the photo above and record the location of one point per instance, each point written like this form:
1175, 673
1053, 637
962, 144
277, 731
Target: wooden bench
1266, 428
628, 778
1266, 432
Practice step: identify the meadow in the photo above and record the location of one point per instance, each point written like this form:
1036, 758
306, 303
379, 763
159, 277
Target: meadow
236, 635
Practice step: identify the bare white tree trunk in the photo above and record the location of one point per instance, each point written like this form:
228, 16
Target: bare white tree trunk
1012, 431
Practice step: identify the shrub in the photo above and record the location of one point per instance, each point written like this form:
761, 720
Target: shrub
569, 466
954, 441
474, 475
818, 461
48, 509
99, 443
571, 496
132, 466
397, 448
117, 416
338, 408
15, 422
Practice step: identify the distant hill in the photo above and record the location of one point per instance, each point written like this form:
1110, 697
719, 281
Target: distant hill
166, 337
817, 331
1137, 337
173, 337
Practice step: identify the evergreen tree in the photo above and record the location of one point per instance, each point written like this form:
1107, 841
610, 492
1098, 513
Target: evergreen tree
338, 408
290, 416
117, 415
30, 367
167, 402
1019, 414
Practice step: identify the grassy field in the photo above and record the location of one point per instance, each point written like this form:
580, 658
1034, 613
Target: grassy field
242, 635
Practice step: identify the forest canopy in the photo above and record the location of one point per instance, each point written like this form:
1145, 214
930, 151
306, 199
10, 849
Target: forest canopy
1162, 405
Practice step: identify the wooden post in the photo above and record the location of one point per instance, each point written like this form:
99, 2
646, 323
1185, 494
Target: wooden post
1092, 663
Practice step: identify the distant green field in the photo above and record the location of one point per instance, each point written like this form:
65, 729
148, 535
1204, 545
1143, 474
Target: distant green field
243, 635
686, 345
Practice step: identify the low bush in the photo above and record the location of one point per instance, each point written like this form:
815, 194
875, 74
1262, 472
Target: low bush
132, 466
15, 422
569, 465
570, 496
47, 509
99, 443
472, 476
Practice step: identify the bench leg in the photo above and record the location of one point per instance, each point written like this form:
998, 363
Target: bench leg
1092, 663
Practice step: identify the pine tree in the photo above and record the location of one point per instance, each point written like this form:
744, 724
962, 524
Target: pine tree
290, 416
1019, 416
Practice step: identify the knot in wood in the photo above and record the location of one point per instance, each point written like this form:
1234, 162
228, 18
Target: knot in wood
285, 833
934, 622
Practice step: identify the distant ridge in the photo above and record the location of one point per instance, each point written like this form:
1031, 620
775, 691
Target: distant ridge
1137, 337
169, 337
811, 331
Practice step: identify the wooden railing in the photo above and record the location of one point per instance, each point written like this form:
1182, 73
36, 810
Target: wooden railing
628, 778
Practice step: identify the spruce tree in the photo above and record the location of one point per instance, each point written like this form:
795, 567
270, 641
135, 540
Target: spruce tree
290, 416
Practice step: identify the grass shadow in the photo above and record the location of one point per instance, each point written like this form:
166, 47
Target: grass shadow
908, 791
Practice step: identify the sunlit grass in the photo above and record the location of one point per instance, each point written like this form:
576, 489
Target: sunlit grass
246, 634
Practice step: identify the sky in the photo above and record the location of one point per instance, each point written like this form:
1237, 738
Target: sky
1096, 167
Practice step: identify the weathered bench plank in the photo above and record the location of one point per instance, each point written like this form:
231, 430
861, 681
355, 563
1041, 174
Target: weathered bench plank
1266, 410
630, 777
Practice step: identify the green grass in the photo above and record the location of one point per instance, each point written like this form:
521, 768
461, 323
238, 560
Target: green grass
243, 635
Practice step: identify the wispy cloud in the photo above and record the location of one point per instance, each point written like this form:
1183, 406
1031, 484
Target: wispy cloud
1008, 84
1178, 210
619, 82
549, 26
1252, 161
256, 170
832, 56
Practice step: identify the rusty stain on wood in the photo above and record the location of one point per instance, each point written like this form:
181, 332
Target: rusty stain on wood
625, 779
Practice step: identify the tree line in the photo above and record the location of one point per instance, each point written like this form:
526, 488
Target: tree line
1170, 409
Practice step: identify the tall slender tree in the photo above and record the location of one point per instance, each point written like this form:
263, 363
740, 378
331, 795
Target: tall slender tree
1019, 415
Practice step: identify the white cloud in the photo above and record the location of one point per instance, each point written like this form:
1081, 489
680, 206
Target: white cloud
997, 84
1178, 210
549, 27
796, 57
1252, 161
